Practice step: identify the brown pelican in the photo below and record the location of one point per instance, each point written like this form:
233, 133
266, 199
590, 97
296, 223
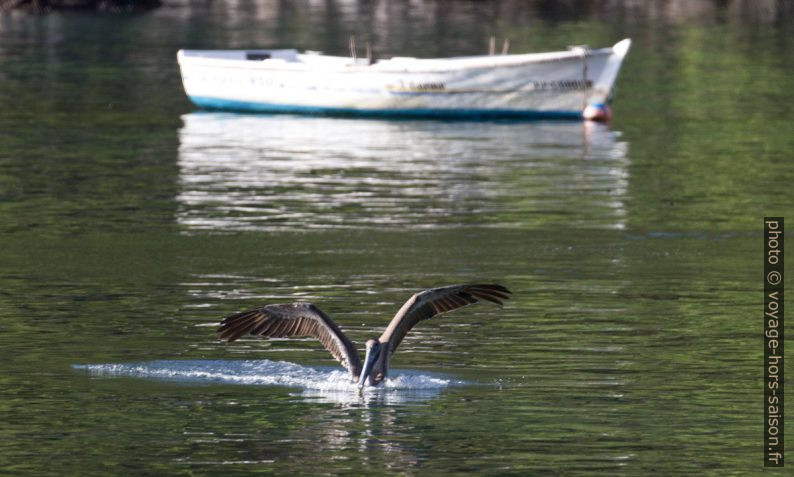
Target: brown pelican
307, 320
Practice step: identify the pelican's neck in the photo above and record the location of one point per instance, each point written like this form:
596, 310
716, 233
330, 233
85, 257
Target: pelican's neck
381, 367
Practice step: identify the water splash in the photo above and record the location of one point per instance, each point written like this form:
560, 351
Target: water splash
317, 383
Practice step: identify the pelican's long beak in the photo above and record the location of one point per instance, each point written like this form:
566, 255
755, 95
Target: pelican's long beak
369, 361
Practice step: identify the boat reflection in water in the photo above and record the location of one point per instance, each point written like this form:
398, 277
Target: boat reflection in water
262, 172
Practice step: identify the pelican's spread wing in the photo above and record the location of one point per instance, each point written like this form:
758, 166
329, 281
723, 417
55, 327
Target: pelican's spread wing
436, 301
293, 320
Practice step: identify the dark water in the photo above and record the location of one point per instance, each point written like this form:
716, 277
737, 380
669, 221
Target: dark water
129, 223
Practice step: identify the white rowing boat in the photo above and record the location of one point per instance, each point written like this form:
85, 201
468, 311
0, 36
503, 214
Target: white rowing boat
574, 83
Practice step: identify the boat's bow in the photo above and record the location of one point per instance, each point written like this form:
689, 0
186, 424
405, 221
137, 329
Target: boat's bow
603, 85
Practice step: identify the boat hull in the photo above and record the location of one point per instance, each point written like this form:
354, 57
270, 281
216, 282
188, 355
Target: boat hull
551, 85
220, 104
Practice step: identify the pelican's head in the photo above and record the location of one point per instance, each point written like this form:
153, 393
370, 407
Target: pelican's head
373, 353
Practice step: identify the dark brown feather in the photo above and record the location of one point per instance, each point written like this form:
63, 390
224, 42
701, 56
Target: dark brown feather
436, 301
293, 320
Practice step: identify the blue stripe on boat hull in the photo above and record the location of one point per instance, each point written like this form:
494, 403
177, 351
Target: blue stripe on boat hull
247, 106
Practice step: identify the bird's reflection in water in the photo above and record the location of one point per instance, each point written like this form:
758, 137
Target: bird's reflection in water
370, 429
341, 419
371, 397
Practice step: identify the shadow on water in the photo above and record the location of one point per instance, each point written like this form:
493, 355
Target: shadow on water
260, 173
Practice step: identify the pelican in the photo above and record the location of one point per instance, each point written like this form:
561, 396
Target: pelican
303, 319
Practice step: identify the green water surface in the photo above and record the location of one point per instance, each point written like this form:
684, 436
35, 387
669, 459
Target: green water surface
130, 223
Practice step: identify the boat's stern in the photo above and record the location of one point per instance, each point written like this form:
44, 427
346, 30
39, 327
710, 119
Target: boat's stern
180, 60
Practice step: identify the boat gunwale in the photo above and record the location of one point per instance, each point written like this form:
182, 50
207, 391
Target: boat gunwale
298, 66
